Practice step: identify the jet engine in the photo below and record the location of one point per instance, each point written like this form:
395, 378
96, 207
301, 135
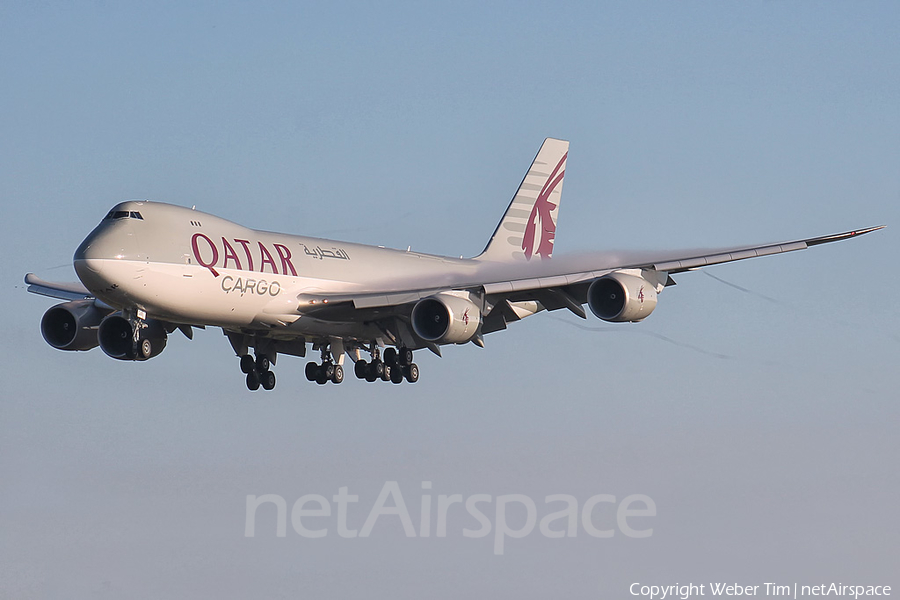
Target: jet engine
72, 325
620, 297
117, 338
446, 319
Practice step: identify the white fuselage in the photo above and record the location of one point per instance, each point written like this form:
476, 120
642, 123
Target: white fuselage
185, 266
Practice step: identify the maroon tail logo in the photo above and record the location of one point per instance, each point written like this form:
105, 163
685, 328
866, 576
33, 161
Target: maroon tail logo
541, 212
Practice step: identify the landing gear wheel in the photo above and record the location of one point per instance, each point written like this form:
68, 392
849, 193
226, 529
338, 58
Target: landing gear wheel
359, 369
262, 363
252, 381
322, 376
268, 380
371, 375
338, 375
146, 348
312, 371
405, 357
386, 373
377, 368
247, 363
397, 374
390, 357
412, 373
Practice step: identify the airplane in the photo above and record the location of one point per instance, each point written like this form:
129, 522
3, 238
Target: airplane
149, 269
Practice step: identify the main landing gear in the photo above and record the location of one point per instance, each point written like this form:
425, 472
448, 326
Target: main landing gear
396, 365
392, 365
327, 371
258, 373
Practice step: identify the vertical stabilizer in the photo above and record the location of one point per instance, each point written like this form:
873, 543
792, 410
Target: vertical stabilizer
528, 228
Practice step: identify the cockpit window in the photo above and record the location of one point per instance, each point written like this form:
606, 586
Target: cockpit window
123, 214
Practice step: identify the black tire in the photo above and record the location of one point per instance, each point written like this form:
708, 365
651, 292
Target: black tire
312, 371
390, 357
412, 373
405, 357
377, 368
145, 349
386, 373
252, 381
370, 373
268, 380
397, 374
321, 375
338, 375
247, 363
359, 369
262, 363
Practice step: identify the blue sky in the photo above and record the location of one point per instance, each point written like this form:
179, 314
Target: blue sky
761, 423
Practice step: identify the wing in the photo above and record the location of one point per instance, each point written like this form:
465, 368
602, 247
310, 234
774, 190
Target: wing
515, 290
569, 290
669, 262
694, 262
62, 291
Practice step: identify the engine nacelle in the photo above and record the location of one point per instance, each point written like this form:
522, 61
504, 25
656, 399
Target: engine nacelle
116, 337
620, 297
446, 319
72, 325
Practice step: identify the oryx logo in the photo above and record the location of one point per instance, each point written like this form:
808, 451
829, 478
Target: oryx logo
641, 295
465, 317
541, 212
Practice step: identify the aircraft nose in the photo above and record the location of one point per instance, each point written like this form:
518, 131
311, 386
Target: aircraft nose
89, 256
112, 241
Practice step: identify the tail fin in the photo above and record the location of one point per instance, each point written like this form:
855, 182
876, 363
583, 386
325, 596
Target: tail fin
528, 227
